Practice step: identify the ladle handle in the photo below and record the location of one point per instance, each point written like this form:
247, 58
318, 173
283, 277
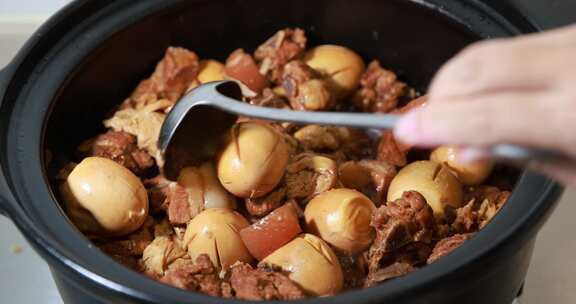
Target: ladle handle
505, 152
355, 120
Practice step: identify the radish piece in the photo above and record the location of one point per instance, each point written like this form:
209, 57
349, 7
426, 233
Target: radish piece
271, 232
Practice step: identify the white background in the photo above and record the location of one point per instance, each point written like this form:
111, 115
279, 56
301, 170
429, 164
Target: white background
28, 9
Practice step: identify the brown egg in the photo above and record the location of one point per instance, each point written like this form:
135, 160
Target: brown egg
204, 187
311, 263
253, 161
439, 187
341, 217
216, 232
104, 197
342, 66
470, 174
210, 70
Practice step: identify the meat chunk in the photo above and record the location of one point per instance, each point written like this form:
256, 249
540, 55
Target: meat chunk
370, 177
309, 175
261, 206
404, 222
408, 219
241, 67
181, 208
388, 265
129, 249
133, 244
447, 245
258, 284
380, 90
305, 90
174, 198
157, 188
284, 46
354, 269
120, 147
199, 276
170, 79
353, 143
389, 272
391, 150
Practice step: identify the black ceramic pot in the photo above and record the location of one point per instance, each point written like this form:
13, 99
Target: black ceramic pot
92, 53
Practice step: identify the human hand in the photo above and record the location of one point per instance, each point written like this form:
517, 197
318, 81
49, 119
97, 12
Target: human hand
519, 90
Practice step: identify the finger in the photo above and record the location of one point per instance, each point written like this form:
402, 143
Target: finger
564, 175
560, 37
527, 119
503, 65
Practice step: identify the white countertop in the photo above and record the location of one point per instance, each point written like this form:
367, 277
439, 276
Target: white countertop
25, 278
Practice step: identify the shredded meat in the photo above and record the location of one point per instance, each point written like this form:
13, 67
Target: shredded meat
170, 79
466, 218
284, 46
199, 276
120, 147
483, 204
380, 90
447, 245
490, 193
257, 284
161, 253
261, 206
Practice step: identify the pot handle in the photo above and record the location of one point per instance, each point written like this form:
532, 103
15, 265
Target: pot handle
5, 194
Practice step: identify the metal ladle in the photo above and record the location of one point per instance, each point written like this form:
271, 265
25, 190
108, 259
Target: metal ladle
192, 131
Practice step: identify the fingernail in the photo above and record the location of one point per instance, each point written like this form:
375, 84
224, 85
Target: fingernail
407, 129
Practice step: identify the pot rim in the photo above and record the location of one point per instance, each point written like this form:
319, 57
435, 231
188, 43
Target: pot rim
533, 187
